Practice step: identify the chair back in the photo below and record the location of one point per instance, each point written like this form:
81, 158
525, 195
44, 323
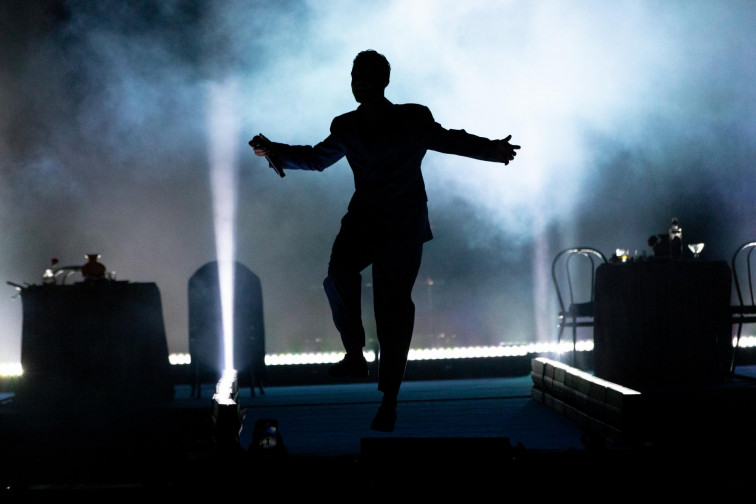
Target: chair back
744, 311
573, 272
742, 273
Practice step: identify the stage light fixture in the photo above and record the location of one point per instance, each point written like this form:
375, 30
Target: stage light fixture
226, 414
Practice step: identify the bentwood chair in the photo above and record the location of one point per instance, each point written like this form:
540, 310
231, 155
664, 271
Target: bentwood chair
744, 310
573, 271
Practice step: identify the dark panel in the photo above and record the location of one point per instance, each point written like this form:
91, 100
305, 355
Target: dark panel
205, 326
94, 342
663, 322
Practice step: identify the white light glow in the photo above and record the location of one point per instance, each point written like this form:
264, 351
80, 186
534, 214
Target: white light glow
10, 369
177, 359
589, 377
420, 354
747, 342
310, 358
223, 130
227, 387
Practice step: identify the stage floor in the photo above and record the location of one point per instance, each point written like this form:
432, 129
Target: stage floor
465, 435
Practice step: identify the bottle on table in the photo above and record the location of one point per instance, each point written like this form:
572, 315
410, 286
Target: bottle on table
48, 277
675, 239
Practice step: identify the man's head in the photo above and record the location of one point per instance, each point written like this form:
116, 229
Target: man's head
370, 76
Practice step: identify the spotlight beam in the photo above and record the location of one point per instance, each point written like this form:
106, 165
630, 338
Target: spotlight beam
223, 131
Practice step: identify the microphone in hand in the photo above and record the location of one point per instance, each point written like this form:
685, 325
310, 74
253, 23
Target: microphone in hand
262, 147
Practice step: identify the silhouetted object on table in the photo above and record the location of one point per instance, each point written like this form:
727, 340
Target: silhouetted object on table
573, 272
93, 270
659, 243
744, 311
206, 328
386, 223
57, 274
675, 239
48, 277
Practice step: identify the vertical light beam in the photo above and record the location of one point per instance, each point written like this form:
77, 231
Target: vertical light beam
223, 133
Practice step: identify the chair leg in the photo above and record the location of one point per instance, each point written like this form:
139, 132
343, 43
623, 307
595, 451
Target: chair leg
574, 343
559, 339
259, 382
735, 348
195, 380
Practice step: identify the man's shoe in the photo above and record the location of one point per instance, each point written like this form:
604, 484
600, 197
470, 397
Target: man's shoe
384, 420
351, 367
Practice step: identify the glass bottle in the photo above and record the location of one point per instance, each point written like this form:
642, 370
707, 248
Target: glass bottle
675, 239
48, 277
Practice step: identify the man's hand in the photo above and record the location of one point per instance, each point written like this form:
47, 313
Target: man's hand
261, 145
506, 151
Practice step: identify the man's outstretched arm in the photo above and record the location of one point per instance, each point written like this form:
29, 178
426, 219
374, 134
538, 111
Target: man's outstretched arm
462, 143
300, 157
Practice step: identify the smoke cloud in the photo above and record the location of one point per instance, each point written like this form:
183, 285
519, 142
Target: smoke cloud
628, 113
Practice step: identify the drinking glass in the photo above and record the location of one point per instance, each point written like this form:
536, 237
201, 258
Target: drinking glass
696, 248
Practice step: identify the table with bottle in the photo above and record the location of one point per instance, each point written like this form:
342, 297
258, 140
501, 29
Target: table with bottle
663, 321
99, 341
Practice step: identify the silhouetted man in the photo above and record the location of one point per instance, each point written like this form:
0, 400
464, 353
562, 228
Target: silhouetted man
386, 223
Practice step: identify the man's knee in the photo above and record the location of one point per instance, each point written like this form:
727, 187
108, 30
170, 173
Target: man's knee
334, 291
